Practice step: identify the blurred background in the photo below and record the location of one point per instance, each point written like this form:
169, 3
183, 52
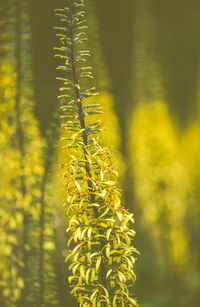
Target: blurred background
145, 58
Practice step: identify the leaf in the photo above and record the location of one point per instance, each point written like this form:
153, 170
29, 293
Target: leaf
87, 276
109, 182
63, 48
119, 215
78, 186
65, 89
63, 67
108, 251
98, 262
78, 232
75, 267
70, 278
77, 86
93, 275
82, 271
83, 233
61, 35
93, 294
76, 248
86, 76
108, 233
62, 79
133, 301
68, 257
94, 254
60, 28
61, 15
89, 232
85, 68
122, 278
101, 175
59, 10
63, 96
114, 301
108, 273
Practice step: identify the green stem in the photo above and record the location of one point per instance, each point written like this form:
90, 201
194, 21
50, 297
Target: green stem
84, 135
80, 109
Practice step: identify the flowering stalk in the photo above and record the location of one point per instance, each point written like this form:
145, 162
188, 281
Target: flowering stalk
100, 240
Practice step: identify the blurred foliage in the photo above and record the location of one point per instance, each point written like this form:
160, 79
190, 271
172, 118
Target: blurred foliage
166, 175
177, 50
164, 137
145, 55
22, 170
147, 79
